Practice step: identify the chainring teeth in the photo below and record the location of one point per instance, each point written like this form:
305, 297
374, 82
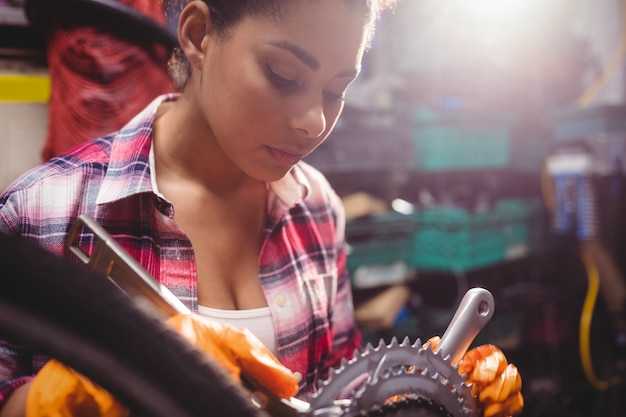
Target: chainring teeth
419, 383
386, 370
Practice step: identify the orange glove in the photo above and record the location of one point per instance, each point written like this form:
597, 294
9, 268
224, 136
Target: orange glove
238, 350
496, 382
58, 391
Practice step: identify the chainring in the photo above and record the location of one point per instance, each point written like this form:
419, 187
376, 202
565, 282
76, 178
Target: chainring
411, 405
426, 383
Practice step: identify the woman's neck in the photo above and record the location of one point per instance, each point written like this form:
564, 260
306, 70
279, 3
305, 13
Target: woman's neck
185, 150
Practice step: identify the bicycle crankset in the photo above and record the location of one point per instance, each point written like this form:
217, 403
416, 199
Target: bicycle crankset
398, 379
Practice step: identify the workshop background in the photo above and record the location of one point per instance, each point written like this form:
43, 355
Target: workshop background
483, 145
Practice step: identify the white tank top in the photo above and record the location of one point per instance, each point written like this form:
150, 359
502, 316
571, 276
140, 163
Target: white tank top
257, 320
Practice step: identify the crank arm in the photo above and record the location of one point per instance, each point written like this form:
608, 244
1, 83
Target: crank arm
473, 313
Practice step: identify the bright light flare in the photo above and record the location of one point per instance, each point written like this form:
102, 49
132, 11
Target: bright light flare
497, 12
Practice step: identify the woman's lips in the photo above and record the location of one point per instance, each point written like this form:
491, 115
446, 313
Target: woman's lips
285, 158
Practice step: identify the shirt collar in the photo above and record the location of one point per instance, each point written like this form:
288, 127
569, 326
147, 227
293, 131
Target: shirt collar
292, 188
130, 168
128, 171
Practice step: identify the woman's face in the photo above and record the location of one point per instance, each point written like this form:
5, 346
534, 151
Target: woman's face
273, 89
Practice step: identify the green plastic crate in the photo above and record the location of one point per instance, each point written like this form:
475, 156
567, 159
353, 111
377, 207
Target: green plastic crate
452, 239
381, 226
439, 148
379, 240
379, 252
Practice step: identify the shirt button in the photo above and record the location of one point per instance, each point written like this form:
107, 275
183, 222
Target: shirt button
280, 300
298, 376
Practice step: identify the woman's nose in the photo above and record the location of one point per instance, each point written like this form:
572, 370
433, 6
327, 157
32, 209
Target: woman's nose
311, 122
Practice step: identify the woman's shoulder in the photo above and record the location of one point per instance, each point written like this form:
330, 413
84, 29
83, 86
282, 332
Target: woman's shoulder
90, 161
70, 166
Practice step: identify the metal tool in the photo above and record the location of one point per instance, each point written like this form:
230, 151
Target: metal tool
423, 382
110, 259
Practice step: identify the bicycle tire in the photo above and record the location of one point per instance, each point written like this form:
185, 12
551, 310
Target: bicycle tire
60, 309
116, 17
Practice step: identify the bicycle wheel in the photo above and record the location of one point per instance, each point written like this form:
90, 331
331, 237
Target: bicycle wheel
57, 308
129, 24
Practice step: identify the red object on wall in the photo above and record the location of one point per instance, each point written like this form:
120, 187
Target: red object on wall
99, 79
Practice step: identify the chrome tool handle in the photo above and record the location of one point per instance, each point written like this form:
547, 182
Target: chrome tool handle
109, 258
474, 312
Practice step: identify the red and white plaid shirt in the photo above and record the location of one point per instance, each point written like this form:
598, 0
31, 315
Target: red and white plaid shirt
302, 262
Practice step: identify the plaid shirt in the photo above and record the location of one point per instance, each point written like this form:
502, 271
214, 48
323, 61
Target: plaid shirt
302, 265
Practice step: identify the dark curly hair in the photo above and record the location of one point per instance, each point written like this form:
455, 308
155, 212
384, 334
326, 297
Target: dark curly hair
227, 13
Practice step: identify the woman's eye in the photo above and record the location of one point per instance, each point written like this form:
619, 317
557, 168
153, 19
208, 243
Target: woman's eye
279, 80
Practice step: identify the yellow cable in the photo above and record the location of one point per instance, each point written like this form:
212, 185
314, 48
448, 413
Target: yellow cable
593, 277
618, 57
585, 325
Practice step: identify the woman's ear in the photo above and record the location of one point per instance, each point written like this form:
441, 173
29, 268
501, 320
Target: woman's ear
194, 24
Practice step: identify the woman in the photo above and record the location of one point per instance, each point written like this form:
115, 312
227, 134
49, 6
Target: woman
206, 188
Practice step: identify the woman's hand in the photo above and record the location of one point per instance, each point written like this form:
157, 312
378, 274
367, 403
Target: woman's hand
58, 390
239, 351
496, 382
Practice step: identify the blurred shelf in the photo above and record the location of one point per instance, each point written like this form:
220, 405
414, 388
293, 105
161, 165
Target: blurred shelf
12, 16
